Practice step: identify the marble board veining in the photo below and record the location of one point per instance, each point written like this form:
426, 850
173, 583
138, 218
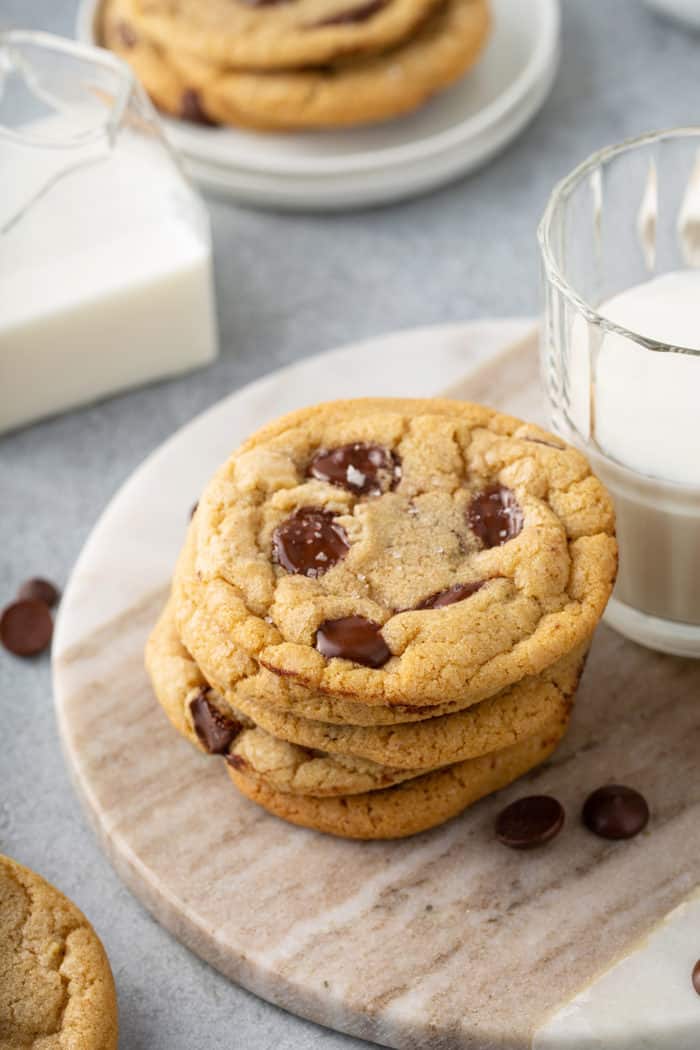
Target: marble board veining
446, 940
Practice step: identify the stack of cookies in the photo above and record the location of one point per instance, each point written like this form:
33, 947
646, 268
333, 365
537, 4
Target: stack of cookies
286, 64
382, 610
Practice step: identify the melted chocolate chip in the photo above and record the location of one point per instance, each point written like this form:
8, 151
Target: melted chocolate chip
696, 977
495, 516
193, 509
26, 627
456, 593
191, 108
615, 812
309, 542
39, 590
237, 762
360, 13
530, 822
353, 638
127, 34
215, 731
366, 470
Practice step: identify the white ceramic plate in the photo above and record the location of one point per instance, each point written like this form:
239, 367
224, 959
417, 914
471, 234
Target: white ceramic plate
450, 136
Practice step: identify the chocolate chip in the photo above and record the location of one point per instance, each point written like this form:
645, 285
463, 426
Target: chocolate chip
456, 593
309, 542
366, 470
26, 627
215, 731
191, 108
696, 977
193, 509
39, 590
495, 515
615, 812
530, 822
353, 638
237, 762
127, 34
360, 13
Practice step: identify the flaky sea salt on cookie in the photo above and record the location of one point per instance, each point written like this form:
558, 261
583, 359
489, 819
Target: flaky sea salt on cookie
397, 551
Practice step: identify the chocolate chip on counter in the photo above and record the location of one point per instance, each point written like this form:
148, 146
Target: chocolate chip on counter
615, 812
39, 590
530, 822
457, 593
696, 977
366, 470
353, 638
495, 516
26, 627
216, 732
309, 542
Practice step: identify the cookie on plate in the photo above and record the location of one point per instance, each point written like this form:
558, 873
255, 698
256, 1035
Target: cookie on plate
416, 805
353, 91
390, 551
517, 713
239, 34
56, 986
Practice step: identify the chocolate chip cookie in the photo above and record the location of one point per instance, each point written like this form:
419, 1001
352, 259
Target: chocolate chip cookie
56, 986
517, 713
278, 34
346, 92
416, 805
389, 551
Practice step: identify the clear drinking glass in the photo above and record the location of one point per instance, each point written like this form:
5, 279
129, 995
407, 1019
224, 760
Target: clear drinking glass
105, 249
623, 377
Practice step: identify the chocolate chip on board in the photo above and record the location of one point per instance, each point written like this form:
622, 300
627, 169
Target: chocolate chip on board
530, 822
615, 812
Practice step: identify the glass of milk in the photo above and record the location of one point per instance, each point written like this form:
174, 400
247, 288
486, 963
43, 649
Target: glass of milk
105, 249
620, 244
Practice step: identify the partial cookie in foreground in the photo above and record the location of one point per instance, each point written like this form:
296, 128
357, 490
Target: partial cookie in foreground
389, 551
414, 806
56, 986
238, 34
358, 90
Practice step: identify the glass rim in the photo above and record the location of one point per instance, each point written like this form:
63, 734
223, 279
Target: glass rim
12, 38
560, 193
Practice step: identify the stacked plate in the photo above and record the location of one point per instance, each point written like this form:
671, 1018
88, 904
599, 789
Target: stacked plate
455, 133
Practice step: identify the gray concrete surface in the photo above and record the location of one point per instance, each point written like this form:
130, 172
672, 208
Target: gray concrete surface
287, 286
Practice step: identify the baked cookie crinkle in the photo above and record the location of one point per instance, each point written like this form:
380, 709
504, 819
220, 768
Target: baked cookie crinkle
482, 556
56, 986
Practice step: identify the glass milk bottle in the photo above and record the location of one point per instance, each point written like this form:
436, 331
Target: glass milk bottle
620, 243
105, 249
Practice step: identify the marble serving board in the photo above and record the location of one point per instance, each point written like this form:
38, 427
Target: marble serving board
446, 940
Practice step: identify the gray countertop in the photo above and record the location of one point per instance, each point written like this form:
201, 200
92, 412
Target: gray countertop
288, 286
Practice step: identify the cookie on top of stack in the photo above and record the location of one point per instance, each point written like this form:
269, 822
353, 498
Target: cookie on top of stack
290, 64
382, 610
